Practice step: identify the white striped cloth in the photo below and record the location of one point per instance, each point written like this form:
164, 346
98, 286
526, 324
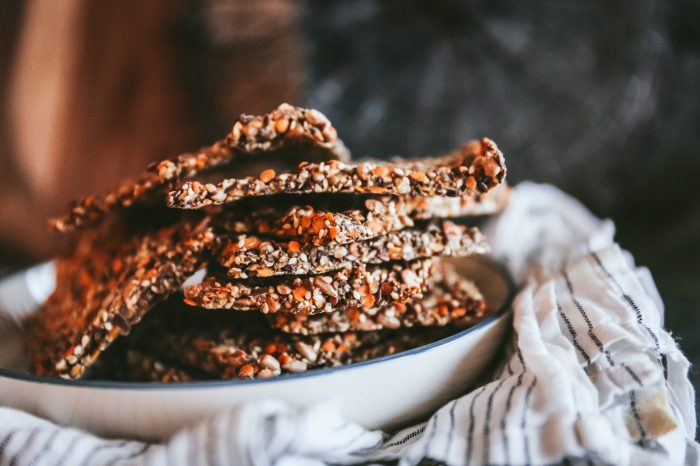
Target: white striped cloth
591, 377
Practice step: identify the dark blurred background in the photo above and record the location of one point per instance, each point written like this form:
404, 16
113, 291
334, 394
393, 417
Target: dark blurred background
600, 98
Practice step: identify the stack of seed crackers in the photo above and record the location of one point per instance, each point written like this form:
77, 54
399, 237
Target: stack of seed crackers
309, 259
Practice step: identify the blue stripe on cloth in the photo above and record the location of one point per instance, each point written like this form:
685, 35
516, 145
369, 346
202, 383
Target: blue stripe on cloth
599, 343
509, 400
470, 434
510, 371
105, 445
6, 441
452, 428
69, 449
625, 297
140, 452
25, 446
45, 448
583, 313
637, 417
572, 331
431, 433
521, 358
523, 423
405, 438
487, 422
632, 374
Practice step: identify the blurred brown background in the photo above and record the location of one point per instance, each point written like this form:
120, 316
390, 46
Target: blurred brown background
600, 98
94, 91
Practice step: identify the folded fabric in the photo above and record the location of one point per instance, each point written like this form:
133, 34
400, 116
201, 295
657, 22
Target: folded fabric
591, 377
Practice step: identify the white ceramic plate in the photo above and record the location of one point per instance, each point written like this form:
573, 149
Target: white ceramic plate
381, 393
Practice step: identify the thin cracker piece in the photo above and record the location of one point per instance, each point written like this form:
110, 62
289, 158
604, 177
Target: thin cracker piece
77, 290
226, 349
358, 285
477, 167
452, 300
322, 224
247, 256
306, 131
68, 335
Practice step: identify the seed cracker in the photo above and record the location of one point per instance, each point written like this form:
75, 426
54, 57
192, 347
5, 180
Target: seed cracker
477, 167
452, 300
358, 285
322, 224
329, 222
68, 335
247, 256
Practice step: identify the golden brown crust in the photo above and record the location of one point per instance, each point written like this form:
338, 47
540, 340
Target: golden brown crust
324, 224
247, 256
357, 285
321, 225
476, 168
452, 300
94, 304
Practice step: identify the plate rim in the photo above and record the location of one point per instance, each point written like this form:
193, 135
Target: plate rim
123, 385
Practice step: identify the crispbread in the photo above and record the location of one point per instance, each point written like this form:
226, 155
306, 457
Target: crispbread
452, 300
247, 256
475, 168
358, 285
324, 220
102, 291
